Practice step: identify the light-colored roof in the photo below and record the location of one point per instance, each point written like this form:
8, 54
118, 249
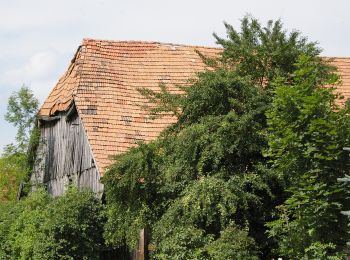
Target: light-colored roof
103, 80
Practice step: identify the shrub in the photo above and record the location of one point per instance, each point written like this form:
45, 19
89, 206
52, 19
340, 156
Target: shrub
41, 227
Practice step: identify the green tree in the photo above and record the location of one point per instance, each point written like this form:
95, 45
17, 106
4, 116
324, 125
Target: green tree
21, 112
206, 175
306, 133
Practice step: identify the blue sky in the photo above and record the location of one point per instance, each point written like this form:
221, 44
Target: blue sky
38, 38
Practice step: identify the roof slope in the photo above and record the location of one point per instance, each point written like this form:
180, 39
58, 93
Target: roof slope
103, 79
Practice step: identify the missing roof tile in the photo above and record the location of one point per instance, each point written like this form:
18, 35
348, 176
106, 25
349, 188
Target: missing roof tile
127, 120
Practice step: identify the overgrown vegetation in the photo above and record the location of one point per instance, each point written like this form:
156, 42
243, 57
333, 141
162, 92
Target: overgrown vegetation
250, 169
253, 169
13, 170
42, 227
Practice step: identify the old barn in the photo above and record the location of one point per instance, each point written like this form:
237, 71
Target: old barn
96, 111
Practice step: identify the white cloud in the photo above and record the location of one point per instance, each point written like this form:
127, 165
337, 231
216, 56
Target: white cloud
40, 65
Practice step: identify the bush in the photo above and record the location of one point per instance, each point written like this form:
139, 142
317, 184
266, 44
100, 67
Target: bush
13, 170
41, 227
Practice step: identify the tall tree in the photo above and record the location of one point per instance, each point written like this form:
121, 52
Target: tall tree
205, 184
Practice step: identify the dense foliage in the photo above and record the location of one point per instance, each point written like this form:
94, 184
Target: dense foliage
41, 227
185, 178
13, 169
307, 131
257, 134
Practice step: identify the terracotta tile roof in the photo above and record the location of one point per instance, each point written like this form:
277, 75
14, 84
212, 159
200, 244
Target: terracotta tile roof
103, 79
343, 65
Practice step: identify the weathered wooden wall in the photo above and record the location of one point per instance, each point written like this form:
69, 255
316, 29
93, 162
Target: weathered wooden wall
64, 156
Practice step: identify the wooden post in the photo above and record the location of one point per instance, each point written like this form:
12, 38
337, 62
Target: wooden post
142, 245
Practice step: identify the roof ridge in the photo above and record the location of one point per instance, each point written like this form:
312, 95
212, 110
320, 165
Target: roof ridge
87, 41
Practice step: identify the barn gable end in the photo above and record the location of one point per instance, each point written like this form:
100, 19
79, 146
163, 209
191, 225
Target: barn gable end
64, 155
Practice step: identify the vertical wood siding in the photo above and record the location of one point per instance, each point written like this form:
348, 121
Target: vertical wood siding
64, 157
